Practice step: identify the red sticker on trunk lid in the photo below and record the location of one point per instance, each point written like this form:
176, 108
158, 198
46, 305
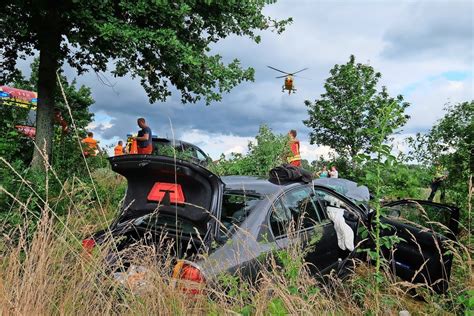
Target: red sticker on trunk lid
159, 190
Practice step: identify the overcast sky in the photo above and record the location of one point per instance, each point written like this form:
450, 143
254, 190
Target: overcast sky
424, 50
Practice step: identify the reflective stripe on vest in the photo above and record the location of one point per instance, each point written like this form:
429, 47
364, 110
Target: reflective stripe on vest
294, 158
295, 150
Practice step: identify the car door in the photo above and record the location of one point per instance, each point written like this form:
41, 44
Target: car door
299, 214
322, 198
425, 228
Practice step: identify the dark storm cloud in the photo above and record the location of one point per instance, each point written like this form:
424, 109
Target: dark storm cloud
432, 29
240, 113
323, 33
311, 41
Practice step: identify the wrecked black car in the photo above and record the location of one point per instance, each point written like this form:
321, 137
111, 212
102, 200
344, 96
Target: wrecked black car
239, 220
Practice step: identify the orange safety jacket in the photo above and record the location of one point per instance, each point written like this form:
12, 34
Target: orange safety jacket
133, 147
90, 146
118, 150
295, 150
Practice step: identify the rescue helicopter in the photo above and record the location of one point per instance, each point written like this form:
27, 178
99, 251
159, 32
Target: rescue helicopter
288, 84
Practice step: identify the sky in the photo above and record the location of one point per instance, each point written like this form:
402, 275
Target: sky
424, 50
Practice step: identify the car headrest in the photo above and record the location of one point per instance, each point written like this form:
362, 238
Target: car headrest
332, 201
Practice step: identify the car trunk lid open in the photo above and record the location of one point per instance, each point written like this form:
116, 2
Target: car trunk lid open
169, 187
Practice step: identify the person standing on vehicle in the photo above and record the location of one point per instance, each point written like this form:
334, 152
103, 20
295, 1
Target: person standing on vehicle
144, 138
333, 173
295, 158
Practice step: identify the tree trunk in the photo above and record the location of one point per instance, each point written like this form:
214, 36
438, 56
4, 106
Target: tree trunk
49, 40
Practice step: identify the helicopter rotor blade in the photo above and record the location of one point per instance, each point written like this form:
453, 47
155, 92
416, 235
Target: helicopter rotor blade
300, 71
302, 77
278, 70
284, 76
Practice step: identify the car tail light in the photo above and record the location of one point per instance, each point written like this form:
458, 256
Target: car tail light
88, 245
192, 274
189, 278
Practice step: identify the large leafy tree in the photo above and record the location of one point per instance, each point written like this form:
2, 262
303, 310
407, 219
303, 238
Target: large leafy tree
344, 116
162, 42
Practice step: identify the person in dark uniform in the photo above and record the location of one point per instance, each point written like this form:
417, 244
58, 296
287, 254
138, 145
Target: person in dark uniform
438, 183
144, 139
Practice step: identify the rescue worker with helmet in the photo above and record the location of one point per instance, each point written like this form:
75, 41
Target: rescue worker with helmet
144, 138
294, 158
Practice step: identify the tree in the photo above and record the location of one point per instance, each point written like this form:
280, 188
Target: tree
267, 152
161, 42
450, 143
343, 116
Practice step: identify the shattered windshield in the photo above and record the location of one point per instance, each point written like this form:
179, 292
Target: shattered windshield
350, 189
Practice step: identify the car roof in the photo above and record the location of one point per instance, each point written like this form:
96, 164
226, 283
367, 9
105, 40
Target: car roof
252, 184
348, 188
262, 186
176, 141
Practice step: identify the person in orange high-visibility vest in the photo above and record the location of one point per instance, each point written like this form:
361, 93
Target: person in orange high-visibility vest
90, 145
295, 157
144, 138
118, 150
131, 146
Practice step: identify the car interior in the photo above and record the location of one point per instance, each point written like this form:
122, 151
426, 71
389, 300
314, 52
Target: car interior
235, 209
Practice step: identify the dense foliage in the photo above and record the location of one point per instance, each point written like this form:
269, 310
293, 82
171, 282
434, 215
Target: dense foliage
344, 115
67, 163
449, 144
14, 146
268, 151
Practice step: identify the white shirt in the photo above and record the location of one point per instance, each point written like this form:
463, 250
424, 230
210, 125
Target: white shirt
345, 234
333, 174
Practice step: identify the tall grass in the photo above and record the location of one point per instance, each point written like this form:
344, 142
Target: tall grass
48, 273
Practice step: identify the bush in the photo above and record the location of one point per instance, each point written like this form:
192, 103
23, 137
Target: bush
269, 151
